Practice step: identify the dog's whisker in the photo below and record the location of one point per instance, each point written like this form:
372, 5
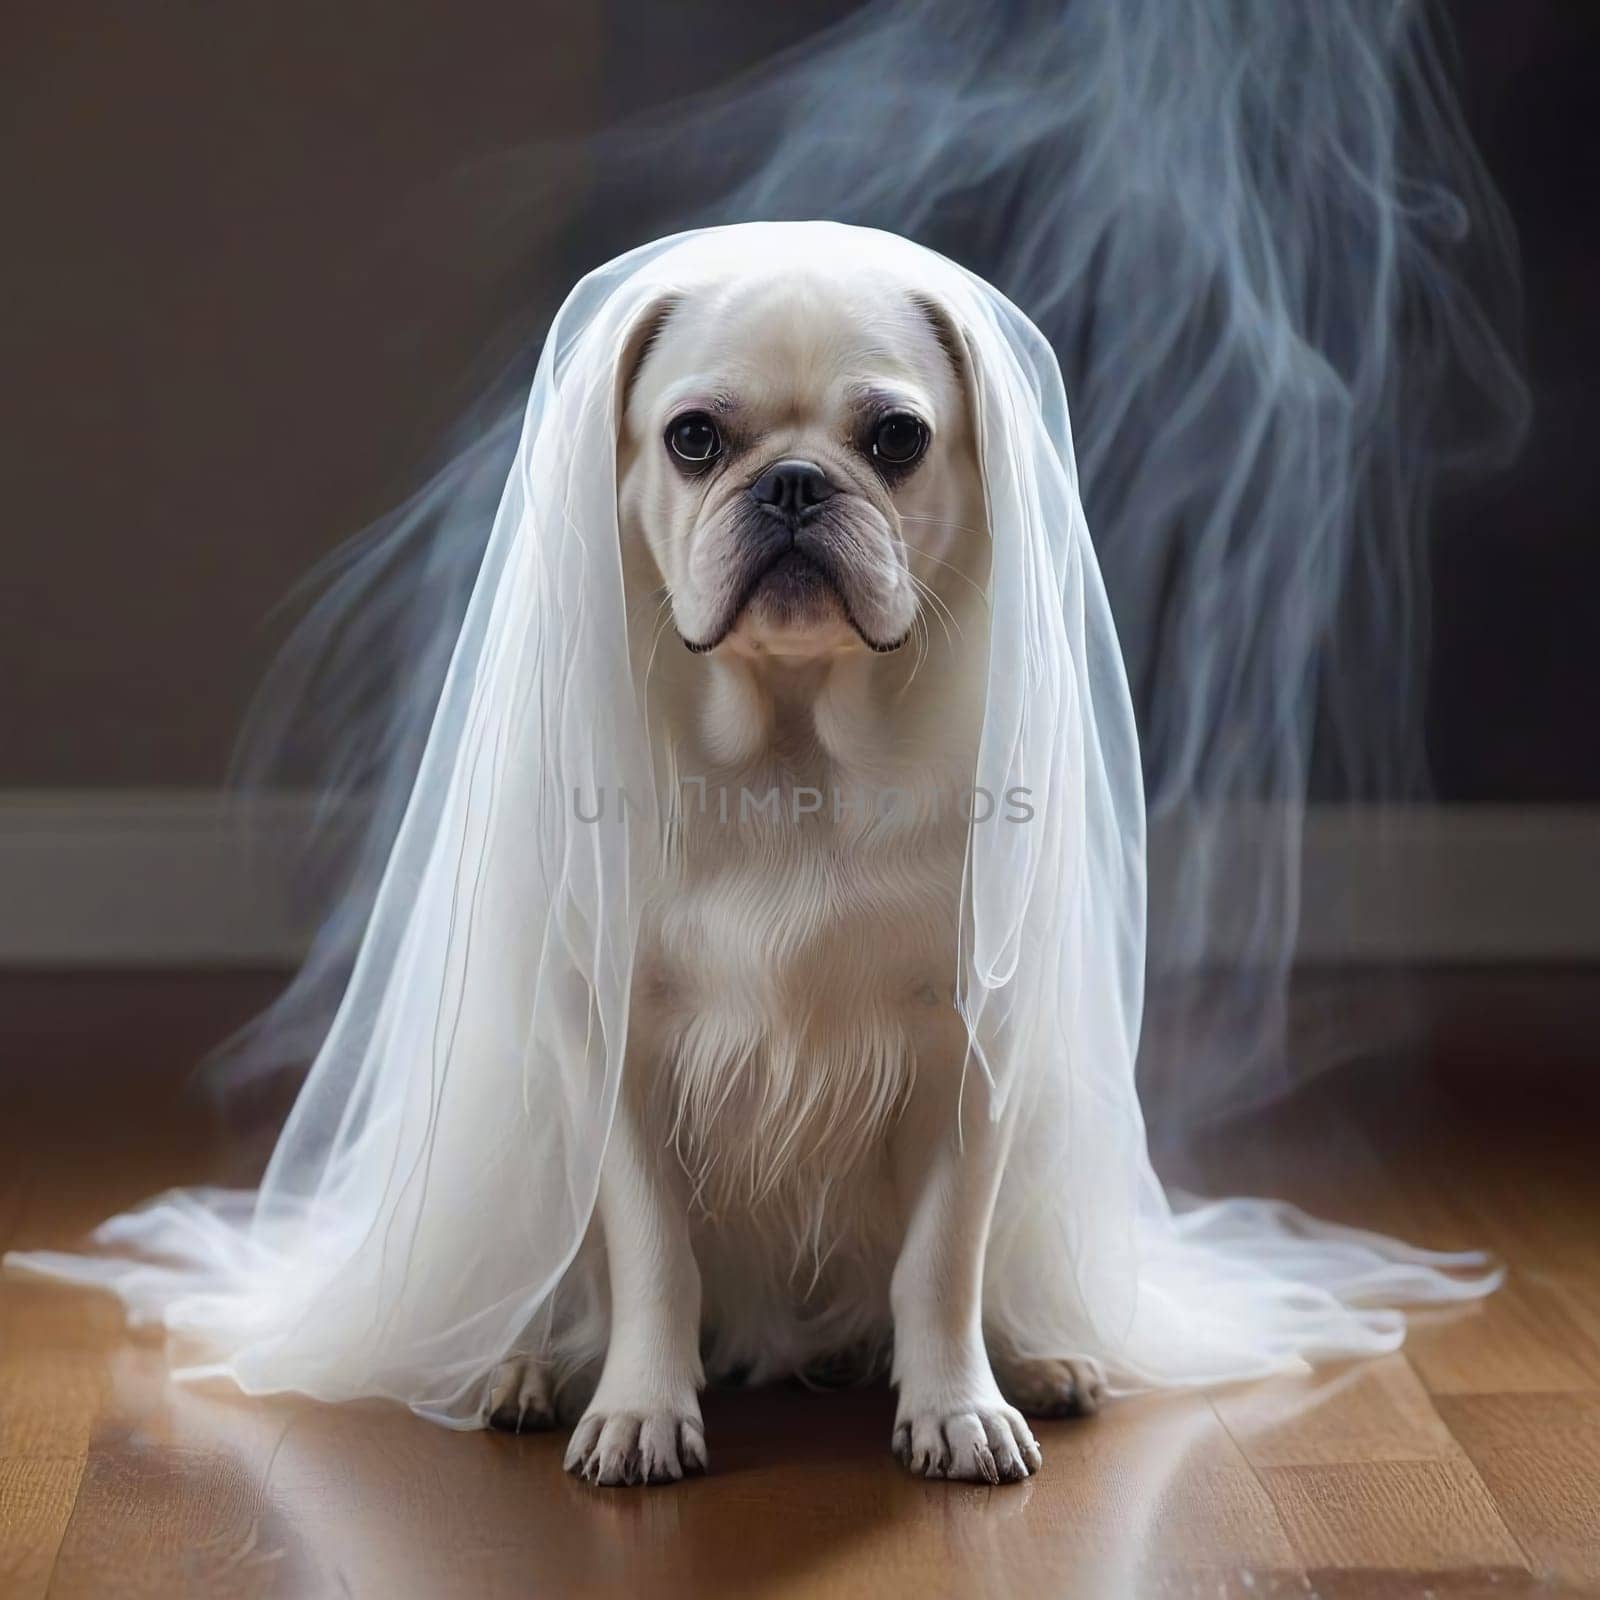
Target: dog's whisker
919, 627
941, 607
944, 522
939, 561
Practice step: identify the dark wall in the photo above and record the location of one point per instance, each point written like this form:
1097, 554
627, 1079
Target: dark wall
249, 270
237, 298
1514, 703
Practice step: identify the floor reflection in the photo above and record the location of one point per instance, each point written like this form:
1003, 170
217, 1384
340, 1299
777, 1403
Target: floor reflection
1155, 1497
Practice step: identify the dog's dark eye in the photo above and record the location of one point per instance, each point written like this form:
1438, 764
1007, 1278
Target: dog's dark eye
899, 439
693, 438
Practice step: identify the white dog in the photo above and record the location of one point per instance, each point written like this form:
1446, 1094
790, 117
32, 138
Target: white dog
817, 1064
795, 1176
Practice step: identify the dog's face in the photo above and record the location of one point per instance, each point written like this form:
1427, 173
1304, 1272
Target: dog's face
797, 458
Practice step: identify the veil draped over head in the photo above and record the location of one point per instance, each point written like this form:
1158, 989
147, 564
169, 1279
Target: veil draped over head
440, 1167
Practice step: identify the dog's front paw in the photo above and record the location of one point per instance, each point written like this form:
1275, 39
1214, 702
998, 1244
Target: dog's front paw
637, 1447
986, 1443
522, 1397
1068, 1387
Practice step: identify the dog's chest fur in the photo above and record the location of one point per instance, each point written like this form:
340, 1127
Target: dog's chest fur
795, 975
795, 962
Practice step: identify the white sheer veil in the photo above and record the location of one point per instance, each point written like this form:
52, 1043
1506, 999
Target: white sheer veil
439, 1169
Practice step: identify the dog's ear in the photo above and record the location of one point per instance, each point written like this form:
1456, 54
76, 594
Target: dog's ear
636, 347
944, 329
956, 346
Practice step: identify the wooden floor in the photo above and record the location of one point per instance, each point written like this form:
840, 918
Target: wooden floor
1469, 1465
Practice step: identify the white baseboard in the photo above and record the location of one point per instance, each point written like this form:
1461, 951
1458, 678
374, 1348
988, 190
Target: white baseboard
123, 878
1441, 885
1398, 885
178, 878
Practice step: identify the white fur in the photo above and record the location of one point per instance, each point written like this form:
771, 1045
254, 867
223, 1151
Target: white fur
796, 1174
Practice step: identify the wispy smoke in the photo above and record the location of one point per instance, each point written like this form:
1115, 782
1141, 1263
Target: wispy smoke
1282, 293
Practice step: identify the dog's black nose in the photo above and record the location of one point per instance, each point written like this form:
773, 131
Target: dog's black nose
791, 487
